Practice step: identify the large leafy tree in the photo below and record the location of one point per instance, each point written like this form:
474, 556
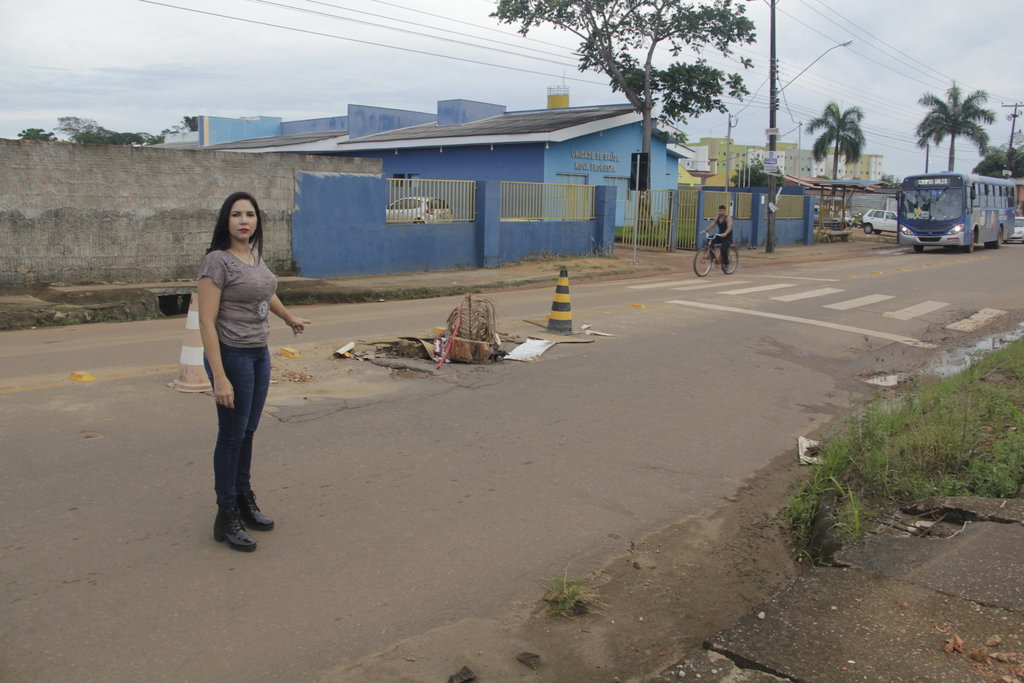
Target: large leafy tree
87, 131
953, 117
753, 175
37, 134
188, 123
995, 162
620, 38
841, 135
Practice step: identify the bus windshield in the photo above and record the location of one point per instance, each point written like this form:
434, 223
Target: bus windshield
932, 204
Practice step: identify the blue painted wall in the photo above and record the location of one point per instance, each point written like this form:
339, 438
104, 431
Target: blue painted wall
457, 112
364, 120
215, 129
338, 230
330, 123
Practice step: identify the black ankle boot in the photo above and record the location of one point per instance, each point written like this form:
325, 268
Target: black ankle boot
228, 527
251, 515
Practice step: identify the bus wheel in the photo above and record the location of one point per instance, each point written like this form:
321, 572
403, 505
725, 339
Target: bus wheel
918, 248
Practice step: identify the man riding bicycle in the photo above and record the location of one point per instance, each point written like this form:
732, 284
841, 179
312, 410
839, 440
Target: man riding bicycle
724, 237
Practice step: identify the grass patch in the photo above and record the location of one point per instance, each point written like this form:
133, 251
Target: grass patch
570, 597
956, 436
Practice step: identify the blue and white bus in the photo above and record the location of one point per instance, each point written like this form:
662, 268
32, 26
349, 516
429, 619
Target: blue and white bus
955, 210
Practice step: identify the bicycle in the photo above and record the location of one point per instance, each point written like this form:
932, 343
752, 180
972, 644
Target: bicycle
709, 255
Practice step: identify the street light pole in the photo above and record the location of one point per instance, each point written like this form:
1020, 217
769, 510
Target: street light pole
773, 132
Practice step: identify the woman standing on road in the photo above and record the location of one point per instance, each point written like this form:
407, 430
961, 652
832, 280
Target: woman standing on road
236, 291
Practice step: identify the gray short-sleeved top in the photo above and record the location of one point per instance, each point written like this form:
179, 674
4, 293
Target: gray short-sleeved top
245, 293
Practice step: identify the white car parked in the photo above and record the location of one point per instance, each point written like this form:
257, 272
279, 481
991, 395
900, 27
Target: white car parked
418, 210
1018, 231
879, 220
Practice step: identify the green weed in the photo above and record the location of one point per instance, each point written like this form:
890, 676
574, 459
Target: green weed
957, 436
569, 597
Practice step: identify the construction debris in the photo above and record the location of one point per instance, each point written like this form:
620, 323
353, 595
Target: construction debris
471, 334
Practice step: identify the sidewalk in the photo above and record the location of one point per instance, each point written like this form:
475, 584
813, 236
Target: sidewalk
896, 608
62, 305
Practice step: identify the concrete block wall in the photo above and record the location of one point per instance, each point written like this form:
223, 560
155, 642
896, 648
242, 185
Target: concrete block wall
79, 214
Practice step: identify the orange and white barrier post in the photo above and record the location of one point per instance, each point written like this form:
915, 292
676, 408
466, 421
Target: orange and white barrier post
191, 373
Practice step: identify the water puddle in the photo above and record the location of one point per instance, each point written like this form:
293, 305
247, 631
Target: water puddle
958, 360
954, 360
884, 380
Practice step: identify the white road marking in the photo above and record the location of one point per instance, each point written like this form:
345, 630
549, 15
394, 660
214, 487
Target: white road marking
914, 311
709, 285
985, 315
811, 279
860, 301
652, 285
761, 288
808, 295
909, 341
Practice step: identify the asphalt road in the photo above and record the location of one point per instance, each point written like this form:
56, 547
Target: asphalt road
405, 505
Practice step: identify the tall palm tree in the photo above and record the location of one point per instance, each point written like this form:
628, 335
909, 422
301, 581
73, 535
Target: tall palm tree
842, 134
953, 117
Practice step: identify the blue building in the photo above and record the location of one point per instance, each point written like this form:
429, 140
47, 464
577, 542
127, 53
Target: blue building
467, 140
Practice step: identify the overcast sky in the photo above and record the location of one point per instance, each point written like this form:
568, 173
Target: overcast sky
139, 66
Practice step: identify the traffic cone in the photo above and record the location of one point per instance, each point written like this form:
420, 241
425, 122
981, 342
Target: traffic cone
191, 373
560, 320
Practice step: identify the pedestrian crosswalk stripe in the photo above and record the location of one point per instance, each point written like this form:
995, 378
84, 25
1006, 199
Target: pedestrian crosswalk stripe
983, 316
860, 301
922, 308
652, 285
808, 295
709, 285
761, 288
909, 341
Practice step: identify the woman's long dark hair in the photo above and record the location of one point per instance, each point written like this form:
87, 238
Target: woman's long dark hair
222, 236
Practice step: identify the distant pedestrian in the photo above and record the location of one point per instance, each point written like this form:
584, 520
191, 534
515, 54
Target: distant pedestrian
724, 236
236, 291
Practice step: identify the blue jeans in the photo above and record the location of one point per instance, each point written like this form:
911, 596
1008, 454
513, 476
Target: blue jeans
248, 370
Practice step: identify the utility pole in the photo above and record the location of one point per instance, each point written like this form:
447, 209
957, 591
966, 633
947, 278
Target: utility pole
773, 133
1008, 171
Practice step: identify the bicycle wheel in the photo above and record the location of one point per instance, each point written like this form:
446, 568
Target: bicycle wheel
702, 261
734, 260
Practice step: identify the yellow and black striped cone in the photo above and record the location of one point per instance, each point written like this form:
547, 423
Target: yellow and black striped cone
560, 320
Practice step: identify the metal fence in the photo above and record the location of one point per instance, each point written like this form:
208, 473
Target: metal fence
416, 200
790, 206
686, 218
712, 200
525, 201
648, 219
744, 208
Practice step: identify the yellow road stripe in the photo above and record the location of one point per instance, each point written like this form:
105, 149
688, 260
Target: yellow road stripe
143, 372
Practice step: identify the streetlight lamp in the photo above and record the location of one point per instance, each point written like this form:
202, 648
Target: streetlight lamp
773, 131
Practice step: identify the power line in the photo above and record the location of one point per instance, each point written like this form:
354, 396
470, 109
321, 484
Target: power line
280, 5
367, 42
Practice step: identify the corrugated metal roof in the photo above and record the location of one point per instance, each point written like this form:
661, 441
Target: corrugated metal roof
511, 123
279, 140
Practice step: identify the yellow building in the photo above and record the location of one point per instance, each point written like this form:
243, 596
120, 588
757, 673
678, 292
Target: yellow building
792, 161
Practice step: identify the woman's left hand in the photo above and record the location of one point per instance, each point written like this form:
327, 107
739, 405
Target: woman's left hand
298, 325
